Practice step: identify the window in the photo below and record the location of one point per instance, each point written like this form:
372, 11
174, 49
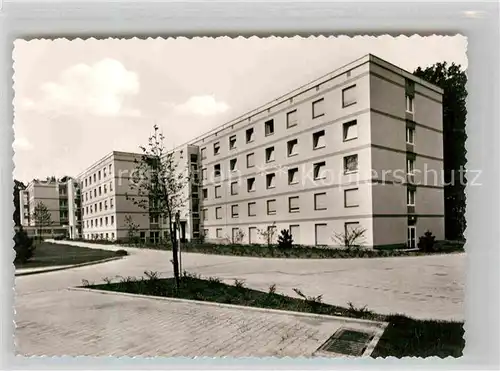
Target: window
100, 191
95, 192
351, 197
216, 148
203, 153
295, 233
110, 167
271, 233
410, 135
252, 235
100, 221
234, 211
251, 208
204, 193
218, 213
205, 233
350, 227
318, 108
250, 135
410, 167
85, 182
143, 236
204, 214
250, 184
409, 104
350, 164
250, 160
112, 219
92, 223
218, 233
411, 236
269, 127
320, 201
217, 170
204, 174
270, 154
293, 204
218, 191
111, 203
100, 205
153, 219
99, 174
232, 164
292, 147
293, 176
95, 179
104, 172
105, 204
271, 207
234, 188
111, 186
270, 180
321, 234
194, 158
112, 235
319, 139
349, 96
291, 119
319, 168
350, 130
232, 142
106, 220
105, 189
410, 196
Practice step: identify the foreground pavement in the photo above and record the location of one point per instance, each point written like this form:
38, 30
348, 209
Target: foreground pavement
85, 323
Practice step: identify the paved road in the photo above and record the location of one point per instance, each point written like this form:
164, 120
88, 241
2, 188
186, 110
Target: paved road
421, 287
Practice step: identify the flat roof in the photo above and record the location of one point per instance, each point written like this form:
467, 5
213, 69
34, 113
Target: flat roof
310, 85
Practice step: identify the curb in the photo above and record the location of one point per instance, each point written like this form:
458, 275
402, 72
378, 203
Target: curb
20, 274
378, 324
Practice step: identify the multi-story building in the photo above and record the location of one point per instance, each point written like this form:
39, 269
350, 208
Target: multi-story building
360, 147
111, 206
61, 198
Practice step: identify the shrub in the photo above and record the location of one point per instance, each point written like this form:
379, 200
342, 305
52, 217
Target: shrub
285, 240
121, 252
23, 246
426, 242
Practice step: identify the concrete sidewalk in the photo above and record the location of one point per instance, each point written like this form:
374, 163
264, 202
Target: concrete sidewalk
86, 323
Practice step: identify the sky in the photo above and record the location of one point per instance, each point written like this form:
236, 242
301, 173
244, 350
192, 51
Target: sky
76, 101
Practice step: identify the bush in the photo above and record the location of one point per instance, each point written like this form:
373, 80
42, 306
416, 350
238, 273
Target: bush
426, 242
121, 252
285, 240
23, 246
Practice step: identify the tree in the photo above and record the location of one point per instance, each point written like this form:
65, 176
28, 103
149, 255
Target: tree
351, 238
18, 187
23, 245
268, 234
160, 188
452, 79
132, 229
285, 239
42, 217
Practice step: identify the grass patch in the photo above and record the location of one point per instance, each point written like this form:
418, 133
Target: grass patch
404, 336
51, 254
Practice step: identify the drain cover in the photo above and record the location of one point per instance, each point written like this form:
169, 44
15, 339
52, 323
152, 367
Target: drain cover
348, 342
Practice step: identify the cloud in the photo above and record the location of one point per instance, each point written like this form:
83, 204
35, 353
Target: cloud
98, 89
22, 144
200, 105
